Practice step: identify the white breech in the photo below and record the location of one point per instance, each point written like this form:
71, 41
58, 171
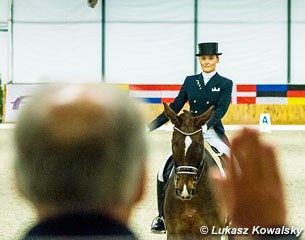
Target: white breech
161, 169
215, 141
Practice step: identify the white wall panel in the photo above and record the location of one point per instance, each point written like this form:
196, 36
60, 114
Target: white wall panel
297, 10
252, 53
4, 42
150, 53
54, 41
4, 57
4, 8
242, 10
298, 42
152, 41
56, 52
150, 10
252, 35
55, 11
149, 41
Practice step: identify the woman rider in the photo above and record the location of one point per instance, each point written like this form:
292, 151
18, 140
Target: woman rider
201, 91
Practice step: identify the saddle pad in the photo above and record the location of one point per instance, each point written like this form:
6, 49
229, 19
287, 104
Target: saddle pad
215, 157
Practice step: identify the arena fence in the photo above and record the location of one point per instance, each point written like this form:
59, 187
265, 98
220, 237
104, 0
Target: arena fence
284, 102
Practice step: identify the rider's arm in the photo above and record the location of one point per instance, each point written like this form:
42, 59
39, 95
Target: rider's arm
176, 106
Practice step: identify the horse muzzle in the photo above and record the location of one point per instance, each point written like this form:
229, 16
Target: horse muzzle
185, 194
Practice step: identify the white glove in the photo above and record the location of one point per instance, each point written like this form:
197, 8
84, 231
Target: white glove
204, 128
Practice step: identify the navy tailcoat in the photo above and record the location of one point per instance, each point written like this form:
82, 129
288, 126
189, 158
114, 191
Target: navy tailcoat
217, 92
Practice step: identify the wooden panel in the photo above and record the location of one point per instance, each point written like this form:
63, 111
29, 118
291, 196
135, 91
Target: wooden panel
244, 113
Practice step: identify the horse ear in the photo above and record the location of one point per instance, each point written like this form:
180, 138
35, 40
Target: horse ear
171, 115
203, 118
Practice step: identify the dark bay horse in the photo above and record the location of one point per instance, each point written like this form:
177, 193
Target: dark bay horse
189, 203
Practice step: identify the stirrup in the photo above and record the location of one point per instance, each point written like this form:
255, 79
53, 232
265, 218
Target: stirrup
158, 225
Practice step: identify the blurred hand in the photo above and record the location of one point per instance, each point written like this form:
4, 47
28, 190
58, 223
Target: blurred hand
253, 189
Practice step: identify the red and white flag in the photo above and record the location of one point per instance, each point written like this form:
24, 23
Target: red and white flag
244, 94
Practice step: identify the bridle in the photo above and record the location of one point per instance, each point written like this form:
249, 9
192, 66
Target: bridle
187, 134
197, 172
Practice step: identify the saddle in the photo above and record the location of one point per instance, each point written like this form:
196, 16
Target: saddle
215, 156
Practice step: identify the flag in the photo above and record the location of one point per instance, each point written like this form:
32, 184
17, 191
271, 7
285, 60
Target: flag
241, 93
151, 93
271, 94
244, 94
296, 94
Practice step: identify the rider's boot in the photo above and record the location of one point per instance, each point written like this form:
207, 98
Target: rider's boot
158, 225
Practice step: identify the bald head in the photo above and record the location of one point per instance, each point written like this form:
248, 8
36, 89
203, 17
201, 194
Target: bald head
79, 112
80, 145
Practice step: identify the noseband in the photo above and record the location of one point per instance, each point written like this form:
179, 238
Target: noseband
190, 169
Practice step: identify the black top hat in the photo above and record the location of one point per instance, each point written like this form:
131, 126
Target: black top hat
208, 48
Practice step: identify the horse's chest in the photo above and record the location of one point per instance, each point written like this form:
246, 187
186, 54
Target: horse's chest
190, 216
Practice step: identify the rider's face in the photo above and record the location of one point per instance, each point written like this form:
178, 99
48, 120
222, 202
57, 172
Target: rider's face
208, 62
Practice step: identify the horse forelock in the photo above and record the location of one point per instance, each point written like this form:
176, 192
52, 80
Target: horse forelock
189, 112
187, 124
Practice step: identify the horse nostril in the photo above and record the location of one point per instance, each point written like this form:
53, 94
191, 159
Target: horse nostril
185, 198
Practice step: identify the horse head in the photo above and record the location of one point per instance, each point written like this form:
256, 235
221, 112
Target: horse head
188, 149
